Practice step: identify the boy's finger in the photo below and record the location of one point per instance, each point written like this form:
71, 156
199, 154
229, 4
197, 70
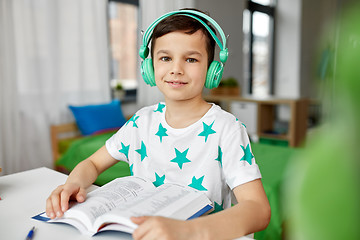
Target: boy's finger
49, 208
55, 201
143, 230
65, 198
81, 195
139, 220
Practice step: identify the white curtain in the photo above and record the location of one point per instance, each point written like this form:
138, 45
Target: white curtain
52, 53
149, 11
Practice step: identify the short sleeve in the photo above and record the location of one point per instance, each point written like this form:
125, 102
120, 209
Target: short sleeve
118, 146
239, 163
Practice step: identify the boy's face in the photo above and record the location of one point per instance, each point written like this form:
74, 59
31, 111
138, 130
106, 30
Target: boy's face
180, 65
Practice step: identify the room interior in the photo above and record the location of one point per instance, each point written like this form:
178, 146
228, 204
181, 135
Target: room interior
57, 56
35, 63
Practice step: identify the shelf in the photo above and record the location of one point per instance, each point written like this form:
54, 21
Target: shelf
266, 115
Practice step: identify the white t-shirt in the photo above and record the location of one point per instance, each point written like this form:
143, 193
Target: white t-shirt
212, 155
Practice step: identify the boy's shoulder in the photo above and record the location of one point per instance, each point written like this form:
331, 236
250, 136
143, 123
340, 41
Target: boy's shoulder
151, 109
224, 118
223, 115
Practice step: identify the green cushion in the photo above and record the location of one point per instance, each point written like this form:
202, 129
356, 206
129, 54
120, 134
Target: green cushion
273, 161
65, 144
82, 148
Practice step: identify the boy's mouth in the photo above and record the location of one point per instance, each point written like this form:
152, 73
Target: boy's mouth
176, 83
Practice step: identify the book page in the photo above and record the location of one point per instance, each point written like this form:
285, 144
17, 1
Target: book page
106, 198
162, 201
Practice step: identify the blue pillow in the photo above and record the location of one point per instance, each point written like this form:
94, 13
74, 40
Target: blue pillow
93, 119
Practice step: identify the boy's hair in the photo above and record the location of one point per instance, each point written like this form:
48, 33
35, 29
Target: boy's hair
188, 25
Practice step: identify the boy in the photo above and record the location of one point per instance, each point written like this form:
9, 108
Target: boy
186, 140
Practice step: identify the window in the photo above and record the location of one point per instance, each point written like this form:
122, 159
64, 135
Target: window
123, 32
258, 27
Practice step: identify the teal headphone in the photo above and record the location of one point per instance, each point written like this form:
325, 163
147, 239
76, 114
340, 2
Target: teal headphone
215, 70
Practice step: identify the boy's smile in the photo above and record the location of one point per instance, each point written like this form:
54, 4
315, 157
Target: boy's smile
175, 83
180, 65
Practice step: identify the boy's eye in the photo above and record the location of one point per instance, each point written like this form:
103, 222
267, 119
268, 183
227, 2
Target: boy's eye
165, 59
191, 60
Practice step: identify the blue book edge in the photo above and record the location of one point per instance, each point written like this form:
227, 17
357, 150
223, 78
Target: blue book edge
41, 217
201, 212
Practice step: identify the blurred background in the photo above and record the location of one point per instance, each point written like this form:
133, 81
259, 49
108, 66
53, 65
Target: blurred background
292, 68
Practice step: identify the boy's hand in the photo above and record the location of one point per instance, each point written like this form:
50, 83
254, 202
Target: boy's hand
58, 202
163, 228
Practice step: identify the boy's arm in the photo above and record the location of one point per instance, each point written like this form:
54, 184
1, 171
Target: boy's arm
251, 214
82, 176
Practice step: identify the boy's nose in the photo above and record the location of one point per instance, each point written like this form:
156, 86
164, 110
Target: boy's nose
176, 68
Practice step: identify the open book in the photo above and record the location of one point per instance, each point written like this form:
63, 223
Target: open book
111, 206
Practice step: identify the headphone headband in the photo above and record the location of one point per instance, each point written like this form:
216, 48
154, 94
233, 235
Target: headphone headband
144, 51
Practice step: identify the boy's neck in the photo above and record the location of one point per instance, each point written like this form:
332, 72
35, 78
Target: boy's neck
181, 114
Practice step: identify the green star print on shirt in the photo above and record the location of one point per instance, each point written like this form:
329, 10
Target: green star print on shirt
207, 130
159, 180
219, 158
247, 154
161, 132
133, 119
131, 169
160, 108
180, 158
142, 151
218, 207
125, 150
197, 183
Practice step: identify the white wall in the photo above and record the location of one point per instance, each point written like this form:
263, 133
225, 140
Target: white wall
288, 42
228, 14
287, 49
299, 28
302, 32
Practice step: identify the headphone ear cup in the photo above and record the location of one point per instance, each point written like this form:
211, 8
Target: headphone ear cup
214, 75
147, 72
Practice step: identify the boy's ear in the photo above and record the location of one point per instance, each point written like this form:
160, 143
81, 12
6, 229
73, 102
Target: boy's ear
147, 72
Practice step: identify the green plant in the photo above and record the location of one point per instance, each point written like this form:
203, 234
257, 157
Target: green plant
229, 82
118, 86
